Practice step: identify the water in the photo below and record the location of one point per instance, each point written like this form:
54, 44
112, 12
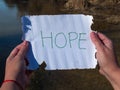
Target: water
10, 29
10, 32
106, 20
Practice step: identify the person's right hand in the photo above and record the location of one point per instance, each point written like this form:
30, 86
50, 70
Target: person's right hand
16, 64
105, 53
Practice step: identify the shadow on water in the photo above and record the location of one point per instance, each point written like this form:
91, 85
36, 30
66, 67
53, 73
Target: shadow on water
106, 19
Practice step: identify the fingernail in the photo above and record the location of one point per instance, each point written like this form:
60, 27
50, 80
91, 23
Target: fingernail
25, 43
95, 32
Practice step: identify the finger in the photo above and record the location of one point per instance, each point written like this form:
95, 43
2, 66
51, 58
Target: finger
106, 41
23, 50
15, 51
96, 40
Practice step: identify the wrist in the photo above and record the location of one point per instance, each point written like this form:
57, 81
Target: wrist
17, 79
12, 83
108, 72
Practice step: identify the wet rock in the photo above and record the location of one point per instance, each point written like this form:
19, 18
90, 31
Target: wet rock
94, 7
75, 4
113, 19
103, 2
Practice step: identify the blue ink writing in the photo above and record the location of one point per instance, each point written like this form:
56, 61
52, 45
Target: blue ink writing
62, 40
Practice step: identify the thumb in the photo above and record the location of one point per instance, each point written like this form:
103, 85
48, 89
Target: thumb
22, 52
106, 41
96, 40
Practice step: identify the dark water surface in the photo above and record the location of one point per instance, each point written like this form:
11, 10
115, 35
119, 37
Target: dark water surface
106, 19
10, 32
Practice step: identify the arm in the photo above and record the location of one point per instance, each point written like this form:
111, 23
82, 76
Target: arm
16, 68
106, 59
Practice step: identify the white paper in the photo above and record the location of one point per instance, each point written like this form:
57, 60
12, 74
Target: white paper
61, 41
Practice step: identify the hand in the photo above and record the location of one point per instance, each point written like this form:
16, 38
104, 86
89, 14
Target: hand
16, 65
105, 53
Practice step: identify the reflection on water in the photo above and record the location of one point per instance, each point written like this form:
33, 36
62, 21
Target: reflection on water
106, 15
